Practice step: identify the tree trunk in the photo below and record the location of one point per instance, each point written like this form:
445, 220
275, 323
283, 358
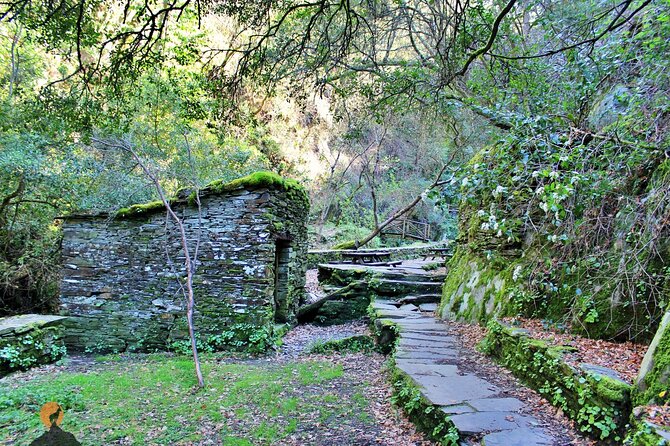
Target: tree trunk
189, 261
307, 313
401, 212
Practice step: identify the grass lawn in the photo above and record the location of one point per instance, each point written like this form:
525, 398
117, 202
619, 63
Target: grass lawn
154, 400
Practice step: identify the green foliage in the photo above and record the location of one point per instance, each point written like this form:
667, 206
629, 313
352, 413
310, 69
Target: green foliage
566, 208
39, 346
110, 404
352, 344
241, 337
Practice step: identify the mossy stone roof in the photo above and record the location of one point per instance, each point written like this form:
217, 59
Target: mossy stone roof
254, 181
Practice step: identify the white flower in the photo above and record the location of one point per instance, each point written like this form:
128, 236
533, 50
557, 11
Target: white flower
498, 190
539, 190
553, 174
545, 207
535, 174
499, 234
516, 273
481, 213
485, 227
464, 182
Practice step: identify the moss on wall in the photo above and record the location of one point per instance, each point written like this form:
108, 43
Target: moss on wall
599, 404
476, 288
654, 379
257, 180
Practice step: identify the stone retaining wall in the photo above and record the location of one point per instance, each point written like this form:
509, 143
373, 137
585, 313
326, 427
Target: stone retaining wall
120, 275
29, 340
595, 397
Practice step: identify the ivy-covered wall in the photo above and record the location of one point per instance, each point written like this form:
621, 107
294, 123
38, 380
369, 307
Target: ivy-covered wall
563, 227
121, 273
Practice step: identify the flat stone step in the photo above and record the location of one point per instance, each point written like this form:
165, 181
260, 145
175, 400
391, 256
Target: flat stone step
25, 322
474, 423
421, 299
518, 437
390, 287
429, 308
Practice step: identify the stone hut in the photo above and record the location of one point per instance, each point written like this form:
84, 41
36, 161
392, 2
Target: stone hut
120, 282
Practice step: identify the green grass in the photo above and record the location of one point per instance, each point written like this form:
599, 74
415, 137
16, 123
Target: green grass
154, 400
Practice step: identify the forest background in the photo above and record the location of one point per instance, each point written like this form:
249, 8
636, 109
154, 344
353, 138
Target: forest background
550, 117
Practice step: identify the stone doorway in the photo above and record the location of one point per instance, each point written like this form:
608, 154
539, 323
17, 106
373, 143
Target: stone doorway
282, 260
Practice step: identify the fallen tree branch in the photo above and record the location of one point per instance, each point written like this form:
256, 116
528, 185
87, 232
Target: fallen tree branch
308, 312
396, 215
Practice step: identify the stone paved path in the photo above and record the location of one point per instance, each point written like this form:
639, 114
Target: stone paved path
430, 356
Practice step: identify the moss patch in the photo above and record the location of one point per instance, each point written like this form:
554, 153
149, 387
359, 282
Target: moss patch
262, 179
139, 209
256, 180
655, 384
349, 244
476, 289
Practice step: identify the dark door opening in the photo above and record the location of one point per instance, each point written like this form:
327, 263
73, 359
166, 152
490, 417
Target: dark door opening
282, 259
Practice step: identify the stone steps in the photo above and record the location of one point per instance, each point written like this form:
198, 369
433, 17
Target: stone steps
428, 355
421, 299
393, 287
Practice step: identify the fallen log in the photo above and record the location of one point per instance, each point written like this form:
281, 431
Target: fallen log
308, 312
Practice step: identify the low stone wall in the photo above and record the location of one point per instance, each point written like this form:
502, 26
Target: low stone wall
29, 340
594, 397
315, 257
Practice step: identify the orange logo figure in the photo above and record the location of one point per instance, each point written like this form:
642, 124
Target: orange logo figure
51, 415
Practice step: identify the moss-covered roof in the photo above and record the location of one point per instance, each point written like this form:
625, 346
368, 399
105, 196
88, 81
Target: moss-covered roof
254, 181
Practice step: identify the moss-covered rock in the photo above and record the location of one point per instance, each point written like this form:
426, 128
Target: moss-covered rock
349, 244
30, 340
475, 289
653, 381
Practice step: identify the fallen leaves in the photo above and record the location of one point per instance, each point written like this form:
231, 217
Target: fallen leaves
623, 357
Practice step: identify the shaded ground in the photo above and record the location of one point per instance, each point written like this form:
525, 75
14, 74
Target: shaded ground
281, 399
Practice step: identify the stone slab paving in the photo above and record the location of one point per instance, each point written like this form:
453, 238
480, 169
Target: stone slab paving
429, 355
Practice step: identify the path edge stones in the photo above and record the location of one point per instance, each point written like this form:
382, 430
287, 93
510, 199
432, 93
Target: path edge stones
426, 416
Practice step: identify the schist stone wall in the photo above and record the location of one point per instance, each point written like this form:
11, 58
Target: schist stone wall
120, 274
